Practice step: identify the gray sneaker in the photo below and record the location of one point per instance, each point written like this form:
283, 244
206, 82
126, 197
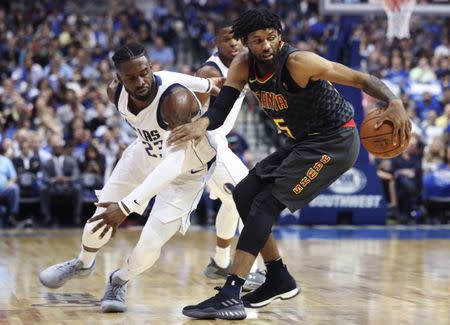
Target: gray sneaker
114, 299
214, 271
254, 281
57, 275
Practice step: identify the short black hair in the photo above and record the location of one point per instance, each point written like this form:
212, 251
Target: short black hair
127, 52
222, 23
255, 19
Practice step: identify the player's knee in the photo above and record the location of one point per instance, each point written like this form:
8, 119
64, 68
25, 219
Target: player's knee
267, 207
254, 236
93, 240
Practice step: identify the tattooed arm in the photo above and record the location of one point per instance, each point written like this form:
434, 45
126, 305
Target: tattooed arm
305, 66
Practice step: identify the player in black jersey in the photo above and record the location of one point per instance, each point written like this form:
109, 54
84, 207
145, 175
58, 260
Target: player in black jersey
294, 88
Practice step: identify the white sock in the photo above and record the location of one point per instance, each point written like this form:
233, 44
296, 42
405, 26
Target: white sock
87, 258
254, 267
222, 257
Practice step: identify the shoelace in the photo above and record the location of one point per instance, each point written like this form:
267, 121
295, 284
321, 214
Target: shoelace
116, 291
71, 269
119, 291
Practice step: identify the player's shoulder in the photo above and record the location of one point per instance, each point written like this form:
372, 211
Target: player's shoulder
301, 57
208, 70
178, 105
114, 86
177, 96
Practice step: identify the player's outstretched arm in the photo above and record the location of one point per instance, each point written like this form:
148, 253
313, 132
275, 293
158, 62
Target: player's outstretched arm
305, 66
216, 115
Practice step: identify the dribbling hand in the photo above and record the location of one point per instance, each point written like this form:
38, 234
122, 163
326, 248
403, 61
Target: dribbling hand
396, 114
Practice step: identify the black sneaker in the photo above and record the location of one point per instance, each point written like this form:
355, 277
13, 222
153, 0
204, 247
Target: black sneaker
277, 286
220, 306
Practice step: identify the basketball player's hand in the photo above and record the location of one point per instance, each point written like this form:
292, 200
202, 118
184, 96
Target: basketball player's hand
112, 217
188, 131
217, 83
396, 114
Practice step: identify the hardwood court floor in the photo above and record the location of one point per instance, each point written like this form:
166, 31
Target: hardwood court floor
344, 281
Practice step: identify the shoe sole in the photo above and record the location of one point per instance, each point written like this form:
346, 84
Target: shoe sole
284, 296
110, 306
227, 315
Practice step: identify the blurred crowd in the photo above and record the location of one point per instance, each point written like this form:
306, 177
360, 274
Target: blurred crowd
61, 137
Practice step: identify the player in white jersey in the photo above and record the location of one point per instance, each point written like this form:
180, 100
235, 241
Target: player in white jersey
229, 170
153, 104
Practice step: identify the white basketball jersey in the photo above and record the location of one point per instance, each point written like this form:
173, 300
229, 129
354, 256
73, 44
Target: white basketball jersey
150, 127
214, 60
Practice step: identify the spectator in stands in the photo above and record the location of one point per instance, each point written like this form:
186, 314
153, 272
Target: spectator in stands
442, 68
427, 104
71, 109
58, 68
397, 74
407, 170
436, 190
60, 179
93, 162
9, 190
27, 164
109, 148
93, 169
100, 117
422, 72
35, 139
434, 155
239, 146
443, 49
27, 160
384, 172
429, 127
162, 53
445, 97
443, 120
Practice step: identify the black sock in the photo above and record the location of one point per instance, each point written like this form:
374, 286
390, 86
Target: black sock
275, 266
233, 286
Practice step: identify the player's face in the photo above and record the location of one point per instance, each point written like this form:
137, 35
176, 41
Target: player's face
137, 77
264, 44
227, 46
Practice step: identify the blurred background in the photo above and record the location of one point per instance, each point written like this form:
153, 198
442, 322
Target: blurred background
55, 63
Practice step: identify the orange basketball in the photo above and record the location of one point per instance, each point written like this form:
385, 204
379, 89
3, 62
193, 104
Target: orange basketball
379, 142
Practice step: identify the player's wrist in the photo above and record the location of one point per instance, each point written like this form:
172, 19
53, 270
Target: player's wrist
204, 122
123, 207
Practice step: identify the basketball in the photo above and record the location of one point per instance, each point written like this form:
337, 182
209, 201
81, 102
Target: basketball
379, 142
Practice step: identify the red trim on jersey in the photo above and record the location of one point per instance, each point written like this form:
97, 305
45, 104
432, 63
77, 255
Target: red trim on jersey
349, 124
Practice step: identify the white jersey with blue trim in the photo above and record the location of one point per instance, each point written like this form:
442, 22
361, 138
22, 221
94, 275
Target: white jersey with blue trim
150, 127
214, 60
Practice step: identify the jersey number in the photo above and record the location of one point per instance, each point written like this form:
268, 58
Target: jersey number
281, 125
149, 148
